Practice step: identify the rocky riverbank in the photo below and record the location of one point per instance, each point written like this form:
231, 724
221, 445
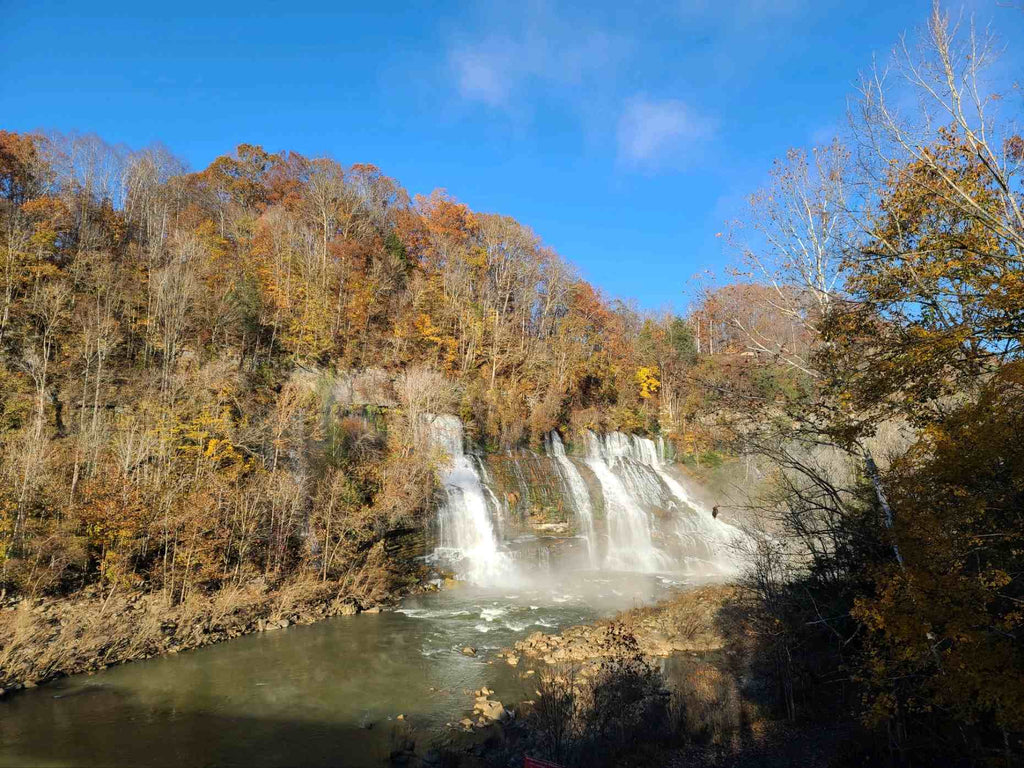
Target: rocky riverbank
691, 621
694, 652
46, 638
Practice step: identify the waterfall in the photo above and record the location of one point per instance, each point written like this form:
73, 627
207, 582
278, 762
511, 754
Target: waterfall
580, 495
646, 520
467, 535
629, 526
635, 479
714, 539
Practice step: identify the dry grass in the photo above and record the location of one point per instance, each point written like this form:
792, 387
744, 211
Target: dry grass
45, 638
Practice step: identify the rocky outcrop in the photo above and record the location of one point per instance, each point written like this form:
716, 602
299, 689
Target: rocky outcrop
688, 622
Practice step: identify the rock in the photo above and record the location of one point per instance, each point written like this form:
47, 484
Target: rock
469, 651
466, 723
512, 660
400, 717
491, 710
31, 684
282, 623
374, 609
349, 607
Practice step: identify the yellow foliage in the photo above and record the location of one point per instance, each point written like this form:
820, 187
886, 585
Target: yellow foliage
647, 380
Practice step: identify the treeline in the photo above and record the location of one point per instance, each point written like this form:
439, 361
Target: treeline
887, 273
168, 343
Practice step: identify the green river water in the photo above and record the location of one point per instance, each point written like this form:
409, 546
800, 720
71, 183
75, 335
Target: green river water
322, 694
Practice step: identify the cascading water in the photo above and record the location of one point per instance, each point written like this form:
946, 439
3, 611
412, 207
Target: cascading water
580, 495
629, 526
653, 523
467, 536
623, 502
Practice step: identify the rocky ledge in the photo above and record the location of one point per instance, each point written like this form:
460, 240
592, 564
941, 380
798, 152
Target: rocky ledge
690, 621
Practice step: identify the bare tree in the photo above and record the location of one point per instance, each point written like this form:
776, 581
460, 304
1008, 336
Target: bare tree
801, 225
948, 77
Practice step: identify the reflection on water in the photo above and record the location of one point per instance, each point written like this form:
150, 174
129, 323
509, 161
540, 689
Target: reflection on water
325, 694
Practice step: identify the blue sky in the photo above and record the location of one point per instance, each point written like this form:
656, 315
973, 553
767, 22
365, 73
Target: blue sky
626, 134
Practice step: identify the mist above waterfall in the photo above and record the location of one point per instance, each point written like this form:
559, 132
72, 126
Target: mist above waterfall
616, 505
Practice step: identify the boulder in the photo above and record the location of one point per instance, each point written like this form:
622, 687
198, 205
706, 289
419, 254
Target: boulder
349, 607
491, 710
469, 651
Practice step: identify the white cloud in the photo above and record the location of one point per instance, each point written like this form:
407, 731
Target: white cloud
481, 76
539, 47
656, 133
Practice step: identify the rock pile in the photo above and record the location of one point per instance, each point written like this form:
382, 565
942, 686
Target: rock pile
688, 622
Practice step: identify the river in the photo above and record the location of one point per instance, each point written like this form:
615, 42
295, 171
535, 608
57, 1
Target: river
322, 694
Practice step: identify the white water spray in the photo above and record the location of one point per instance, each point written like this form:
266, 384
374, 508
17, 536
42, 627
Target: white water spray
647, 523
630, 527
467, 536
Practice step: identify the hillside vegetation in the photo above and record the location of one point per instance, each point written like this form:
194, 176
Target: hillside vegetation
217, 378
217, 375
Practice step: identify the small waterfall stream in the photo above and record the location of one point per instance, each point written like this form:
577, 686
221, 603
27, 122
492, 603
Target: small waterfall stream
632, 514
576, 486
467, 534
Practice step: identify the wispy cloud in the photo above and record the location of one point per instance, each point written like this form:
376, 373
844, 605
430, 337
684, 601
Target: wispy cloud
539, 48
654, 134
483, 75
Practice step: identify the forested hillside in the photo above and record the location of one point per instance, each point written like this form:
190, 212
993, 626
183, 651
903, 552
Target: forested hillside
173, 344
213, 377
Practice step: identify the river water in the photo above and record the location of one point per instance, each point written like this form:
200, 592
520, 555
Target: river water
322, 694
